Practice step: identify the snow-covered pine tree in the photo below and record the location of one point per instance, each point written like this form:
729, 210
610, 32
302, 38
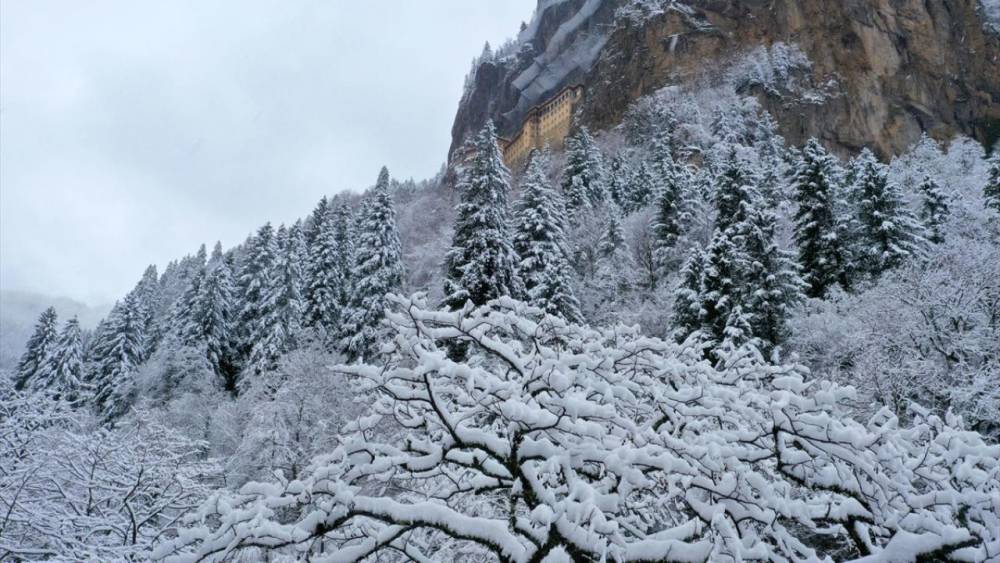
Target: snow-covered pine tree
669, 201
769, 278
377, 270
735, 188
62, 372
540, 243
619, 177
720, 286
40, 345
888, 233
211, 319
325, 276
616, 270
688, 296
819, 230
257, 306
280, 323
934, 208
991, 191
316, 219
117, 355
642, 188
481, 264
343, 237
148, 297
583, 181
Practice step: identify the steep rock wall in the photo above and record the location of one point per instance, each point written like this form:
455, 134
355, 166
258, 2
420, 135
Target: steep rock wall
889, 69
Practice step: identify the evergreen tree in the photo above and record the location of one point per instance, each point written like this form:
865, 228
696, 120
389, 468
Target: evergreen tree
540, 242
257, 307
888, 233
326, 277
735, 188
280, 323
616, 270
210, 319
720, 286
934, 209
642, 188
118, 353
667, 223
619, 176
62, 372
769, 278
319, 216
820, 233
40, 345
481, 264
991, 191
688, 297
343, 238
583, 175
148, 302
377, 270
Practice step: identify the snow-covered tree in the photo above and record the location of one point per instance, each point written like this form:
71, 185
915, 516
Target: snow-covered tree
820, 233
280, 325
888, 232
991, 191
481, 264
540, 243
668, 221
41, 344
210, 320
118, 352
72, 490
377, 269
616, 271
583, 178
553, 442
721, 291
325, 275
934, 209
735, 189
769, 278
61, 373
688, 296
257, 306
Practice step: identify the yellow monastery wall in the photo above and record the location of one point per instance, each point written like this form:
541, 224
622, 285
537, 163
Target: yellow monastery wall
546, 124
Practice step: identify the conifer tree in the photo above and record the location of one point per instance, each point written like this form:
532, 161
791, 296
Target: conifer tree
820, 233
62, 372
719, 286
540, 243
377, 270
616, 270
481, 264
888, 233
117, 355
735, 188
667, 223
343, 238
257, 306
325, 278
316, 220
991, 191
619, 176
583, 182
934, 209
688, 297
769, 278
210, 319
280, 322
40, 345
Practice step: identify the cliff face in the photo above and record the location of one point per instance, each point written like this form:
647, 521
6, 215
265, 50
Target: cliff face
888, 69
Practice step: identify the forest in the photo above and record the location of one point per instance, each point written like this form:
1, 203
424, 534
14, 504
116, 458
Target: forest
680, 339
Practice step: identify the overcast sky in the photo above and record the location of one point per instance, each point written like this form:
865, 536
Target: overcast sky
132, 131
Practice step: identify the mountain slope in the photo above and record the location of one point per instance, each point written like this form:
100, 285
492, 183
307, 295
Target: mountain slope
879, 72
